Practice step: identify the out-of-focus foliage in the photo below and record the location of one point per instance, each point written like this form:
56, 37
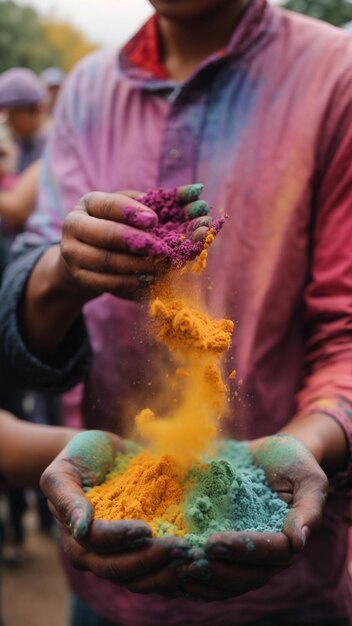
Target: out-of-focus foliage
27, 40
22, 40
68, 43
336, 12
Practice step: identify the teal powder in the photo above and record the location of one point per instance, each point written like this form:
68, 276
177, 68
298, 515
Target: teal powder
231, 495
93, 452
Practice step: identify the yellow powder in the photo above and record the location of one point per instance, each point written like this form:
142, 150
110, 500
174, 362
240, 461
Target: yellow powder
148, 490
197, 343
200, 263
182, 327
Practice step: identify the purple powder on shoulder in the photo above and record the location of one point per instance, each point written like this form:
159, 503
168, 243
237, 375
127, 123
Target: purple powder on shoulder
172, 229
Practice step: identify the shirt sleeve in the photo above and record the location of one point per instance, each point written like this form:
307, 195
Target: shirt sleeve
65, 178
328, 297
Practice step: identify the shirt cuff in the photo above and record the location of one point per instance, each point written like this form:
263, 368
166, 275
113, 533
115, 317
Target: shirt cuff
71, 361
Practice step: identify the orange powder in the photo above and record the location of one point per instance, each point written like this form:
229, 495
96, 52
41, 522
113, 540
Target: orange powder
197, 343
149, 489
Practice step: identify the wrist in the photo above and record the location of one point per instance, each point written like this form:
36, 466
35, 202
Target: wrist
62, 282
324, 438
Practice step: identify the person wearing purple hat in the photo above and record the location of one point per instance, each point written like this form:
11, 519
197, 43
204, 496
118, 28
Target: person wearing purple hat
23, 97
53, 78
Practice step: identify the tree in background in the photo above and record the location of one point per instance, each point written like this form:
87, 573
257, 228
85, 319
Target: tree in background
336, 12
68, 43
22, 41
28, 40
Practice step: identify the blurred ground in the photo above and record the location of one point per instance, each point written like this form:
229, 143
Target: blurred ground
35, 593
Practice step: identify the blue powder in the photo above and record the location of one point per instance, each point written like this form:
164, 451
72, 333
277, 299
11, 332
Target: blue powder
231, 495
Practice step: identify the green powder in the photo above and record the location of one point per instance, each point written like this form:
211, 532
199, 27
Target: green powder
231, 495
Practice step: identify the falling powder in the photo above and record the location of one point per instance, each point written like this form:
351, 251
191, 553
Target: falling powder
184, 482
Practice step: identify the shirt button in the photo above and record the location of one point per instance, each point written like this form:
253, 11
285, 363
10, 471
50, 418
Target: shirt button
174, 154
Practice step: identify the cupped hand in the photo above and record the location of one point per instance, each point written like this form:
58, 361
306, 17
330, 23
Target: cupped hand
122, 551
234, 563
294, 474
107, 246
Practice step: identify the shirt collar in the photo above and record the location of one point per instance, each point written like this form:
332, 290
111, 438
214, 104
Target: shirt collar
140, 59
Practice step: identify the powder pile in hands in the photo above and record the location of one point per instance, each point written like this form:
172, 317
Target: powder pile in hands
172, 232
226, 493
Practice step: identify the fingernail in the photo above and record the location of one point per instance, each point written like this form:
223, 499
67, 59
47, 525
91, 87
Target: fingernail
79, 524
205, 222
217, 551
139, 543
193, 192
142, 219
304, 536
199, 208
146, 279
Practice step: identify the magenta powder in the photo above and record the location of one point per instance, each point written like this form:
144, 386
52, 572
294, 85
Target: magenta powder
169, 235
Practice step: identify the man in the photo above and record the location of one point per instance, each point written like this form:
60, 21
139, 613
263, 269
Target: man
257, 103
23, 97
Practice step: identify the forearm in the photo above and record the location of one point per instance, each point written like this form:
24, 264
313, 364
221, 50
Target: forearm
17, 204
27, 449
49, 308
325, 439
12, 212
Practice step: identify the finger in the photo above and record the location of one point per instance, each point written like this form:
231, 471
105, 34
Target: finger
306, 513
129, 565
109, 262
124, 286
199, 234
109, 235
189, 193
229, 578
197, 209
118, 207
105, 537
250, 548
61, 485
165, 582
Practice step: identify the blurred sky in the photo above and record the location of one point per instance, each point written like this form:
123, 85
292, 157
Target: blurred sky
107, 22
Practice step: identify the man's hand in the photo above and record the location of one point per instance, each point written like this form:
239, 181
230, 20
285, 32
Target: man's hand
122, 551
235, 563
107, 247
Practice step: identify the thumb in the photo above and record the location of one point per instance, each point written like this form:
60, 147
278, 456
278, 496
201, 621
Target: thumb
82, 464
306, 513
60, 484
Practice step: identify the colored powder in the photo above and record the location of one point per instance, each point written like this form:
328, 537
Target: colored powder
170, 231
197, 343
224, 494
186, 483
233, 496
144, 487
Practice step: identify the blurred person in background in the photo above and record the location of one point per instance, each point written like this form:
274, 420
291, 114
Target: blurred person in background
23, 99
257, 103
53, 78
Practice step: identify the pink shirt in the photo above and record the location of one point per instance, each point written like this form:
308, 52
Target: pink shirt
267, 126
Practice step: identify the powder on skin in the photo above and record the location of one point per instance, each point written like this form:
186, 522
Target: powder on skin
171, 230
